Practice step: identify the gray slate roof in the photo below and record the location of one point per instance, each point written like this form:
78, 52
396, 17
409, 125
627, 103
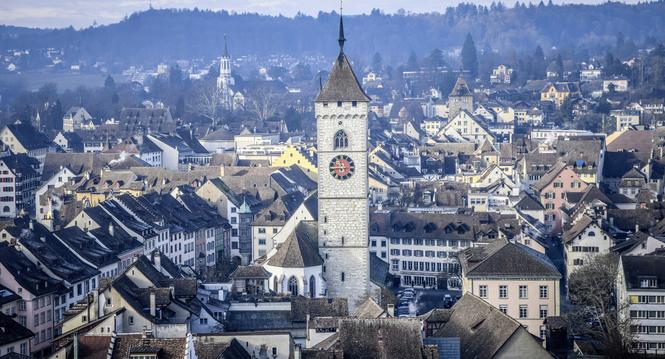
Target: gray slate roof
503, 258
636, 268
342, 84
300, 249
482, 329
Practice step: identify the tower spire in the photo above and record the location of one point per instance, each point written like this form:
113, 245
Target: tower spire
341, 39
226, 46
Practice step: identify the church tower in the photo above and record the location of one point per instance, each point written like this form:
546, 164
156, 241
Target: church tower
460, 98
225, 80
341, 113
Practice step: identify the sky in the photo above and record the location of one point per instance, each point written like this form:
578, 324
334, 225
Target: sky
82, 13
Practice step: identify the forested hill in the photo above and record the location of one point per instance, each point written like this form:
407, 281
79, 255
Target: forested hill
164, 35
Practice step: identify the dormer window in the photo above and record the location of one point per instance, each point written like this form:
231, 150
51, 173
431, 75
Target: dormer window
648, 283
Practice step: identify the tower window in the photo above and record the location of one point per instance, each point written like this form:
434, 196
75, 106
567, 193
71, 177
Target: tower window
339, 103
342, 276
354, 103
341, 140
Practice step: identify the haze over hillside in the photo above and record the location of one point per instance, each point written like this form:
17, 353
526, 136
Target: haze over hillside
166, 35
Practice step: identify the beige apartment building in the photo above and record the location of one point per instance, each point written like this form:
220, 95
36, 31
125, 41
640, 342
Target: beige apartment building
516, 279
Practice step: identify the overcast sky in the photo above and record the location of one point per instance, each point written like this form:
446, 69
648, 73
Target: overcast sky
82, 13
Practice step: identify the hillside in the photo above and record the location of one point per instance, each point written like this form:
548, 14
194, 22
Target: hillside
164, 35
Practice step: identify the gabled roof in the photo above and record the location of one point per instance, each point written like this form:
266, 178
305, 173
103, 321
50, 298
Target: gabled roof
11, 331
482, 329
28, 136
220, 350
503, 258
369, 309
342, 84
548, 177
576, 229
461, 88
636, 268
21, 164
529, 203
250, 272
28, 275
300, 249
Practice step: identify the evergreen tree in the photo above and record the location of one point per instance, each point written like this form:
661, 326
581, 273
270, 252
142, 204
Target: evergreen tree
539, 65
470, 56
377, 62
175, 75
180, 107
559, 65
292, 119
412, 62
436, 58
109, 83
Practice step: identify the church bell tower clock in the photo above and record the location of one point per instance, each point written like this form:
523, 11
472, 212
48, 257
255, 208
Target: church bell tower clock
341, 110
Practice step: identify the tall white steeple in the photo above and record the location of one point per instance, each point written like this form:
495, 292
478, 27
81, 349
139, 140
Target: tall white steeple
225, 80
341, 110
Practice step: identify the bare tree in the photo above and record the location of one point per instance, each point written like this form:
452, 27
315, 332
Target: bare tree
207, 101
597, 313
263, 102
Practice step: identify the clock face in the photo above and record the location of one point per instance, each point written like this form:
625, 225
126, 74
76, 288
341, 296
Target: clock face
342, 167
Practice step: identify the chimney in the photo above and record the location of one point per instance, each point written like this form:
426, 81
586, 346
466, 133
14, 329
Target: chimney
612, 221
153, 303
391, 310
31, 225
157, 260
637, 227
296, 352
111, 229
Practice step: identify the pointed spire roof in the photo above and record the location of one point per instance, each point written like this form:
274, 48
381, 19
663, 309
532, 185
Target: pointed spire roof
341, 40
461, 88
299, 249
342, 84
226, 47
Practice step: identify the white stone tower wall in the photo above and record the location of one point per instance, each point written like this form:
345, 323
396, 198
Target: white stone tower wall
343, 204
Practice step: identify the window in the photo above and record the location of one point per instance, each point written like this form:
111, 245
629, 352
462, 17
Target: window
343, 276
293, 286
543, 332
341, 140
648, 283
523, 311
339, 103
543, 289
482, 291
524, 292
503, 308
503, 291
543, 311
131, 320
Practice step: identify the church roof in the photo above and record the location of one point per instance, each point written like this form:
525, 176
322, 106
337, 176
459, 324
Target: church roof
300, 249
342, 84
461, 88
